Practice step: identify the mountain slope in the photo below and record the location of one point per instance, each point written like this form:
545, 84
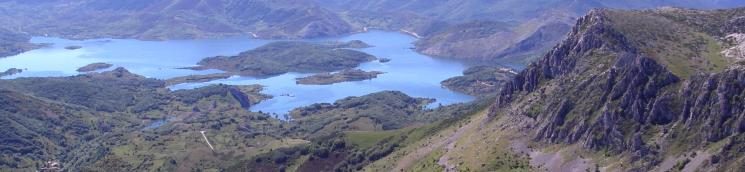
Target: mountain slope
606, 99
120, 121
648, 83
35, 129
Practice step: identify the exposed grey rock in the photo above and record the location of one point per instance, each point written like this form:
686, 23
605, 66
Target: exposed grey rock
598, 90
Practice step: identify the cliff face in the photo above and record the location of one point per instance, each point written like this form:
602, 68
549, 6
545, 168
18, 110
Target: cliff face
611, 88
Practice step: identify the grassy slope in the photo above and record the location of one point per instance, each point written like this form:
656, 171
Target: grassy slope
466, 144
684, 48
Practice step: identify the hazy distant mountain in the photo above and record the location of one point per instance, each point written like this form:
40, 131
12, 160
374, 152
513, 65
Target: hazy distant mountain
462, 28
168, 19
469, 29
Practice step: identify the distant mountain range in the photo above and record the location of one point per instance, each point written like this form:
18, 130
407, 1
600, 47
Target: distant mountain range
467, 29
172, 19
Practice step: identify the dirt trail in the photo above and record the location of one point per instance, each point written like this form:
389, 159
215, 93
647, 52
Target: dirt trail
694, 163
552, 161
435, 143
697, 161
450, 141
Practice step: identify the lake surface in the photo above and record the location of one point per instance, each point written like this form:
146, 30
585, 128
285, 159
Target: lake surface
408, 71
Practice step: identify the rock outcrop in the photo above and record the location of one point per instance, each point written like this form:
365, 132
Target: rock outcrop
737, 51
603, 89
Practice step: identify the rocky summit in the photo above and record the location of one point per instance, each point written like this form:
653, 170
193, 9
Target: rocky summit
647, 86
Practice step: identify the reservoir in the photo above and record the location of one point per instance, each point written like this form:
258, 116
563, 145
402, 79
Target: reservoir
408, 71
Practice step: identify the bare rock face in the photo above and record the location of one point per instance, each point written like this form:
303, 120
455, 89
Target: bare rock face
598, 89
714, 104
737, 51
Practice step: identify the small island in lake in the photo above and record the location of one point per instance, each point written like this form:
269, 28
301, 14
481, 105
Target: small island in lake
73, 47
353, 44
11, 71
197, 78
289, 56
94, 66
342, 76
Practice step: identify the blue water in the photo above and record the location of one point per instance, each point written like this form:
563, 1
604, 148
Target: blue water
412, 73
156, 59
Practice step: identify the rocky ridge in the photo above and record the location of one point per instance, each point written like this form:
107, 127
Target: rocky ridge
602, 89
